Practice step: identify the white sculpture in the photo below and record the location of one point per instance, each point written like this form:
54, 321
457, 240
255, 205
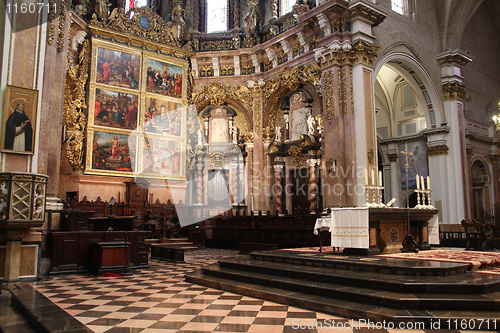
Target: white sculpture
277, 136
78, 39
310, 124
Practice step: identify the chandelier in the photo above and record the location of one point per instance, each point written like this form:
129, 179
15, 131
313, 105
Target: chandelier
496, 119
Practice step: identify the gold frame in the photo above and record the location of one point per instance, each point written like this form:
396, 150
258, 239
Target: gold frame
172, 61
142, 151
29, 98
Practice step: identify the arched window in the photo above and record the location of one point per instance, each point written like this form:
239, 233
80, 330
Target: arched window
398, 6
403, 7
217, 16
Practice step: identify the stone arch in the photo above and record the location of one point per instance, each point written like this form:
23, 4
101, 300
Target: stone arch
401, 57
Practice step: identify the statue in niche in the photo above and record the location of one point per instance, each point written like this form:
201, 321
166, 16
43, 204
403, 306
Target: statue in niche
277, 136
310, 124
200, 138
178, 16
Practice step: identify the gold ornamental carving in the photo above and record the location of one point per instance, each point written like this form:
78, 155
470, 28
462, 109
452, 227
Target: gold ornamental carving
51, 26
369, 14
217, 94
346, 53
144, 29
297, 153
75, 105
217, 157
453, 90
291, 78
329, 95
62, 23
437, 150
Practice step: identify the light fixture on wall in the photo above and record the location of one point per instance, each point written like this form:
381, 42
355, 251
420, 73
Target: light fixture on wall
496, 114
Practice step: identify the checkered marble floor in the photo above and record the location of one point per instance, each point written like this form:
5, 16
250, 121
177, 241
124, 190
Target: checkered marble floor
160, 300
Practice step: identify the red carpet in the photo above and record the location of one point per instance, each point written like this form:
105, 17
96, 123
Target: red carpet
476, 260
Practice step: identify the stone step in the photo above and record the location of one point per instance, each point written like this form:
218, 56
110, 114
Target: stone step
383, 265
369, 294
469, 283
11, 319
430, 319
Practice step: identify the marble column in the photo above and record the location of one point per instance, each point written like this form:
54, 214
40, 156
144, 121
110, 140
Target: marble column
393, 191
456, 204
278, 189
313, 185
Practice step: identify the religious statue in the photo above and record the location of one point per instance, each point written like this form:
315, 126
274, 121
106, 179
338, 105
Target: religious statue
252, 18
200, 138
277, 136
310, 124
102, 9
78, 39
178, 16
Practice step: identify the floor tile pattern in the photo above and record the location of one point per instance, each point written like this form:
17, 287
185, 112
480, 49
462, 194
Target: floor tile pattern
158, 299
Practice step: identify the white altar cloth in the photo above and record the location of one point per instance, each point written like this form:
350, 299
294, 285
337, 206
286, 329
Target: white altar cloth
350, 227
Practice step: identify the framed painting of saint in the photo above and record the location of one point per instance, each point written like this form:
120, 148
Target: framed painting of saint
19, 120
163, 117
115, 109
163, 78
116, 67
111, 153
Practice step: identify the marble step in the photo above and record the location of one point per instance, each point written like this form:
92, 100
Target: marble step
467, 283
44, 315
352, 309
363, 263
422, 301
11, 319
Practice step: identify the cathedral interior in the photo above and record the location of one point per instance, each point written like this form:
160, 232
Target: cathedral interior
243, 125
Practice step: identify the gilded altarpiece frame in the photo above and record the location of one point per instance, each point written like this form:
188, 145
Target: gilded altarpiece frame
137, 113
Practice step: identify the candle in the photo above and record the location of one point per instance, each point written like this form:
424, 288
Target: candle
422, 182
373, 177
418, 183
252, 204
380, 178
366, 177
428, 182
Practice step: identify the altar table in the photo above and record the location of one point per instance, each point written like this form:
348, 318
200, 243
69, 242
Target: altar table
368, 230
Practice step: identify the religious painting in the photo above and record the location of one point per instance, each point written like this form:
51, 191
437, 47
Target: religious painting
19, 120
163, 78
163, 117
112, 152
115, 109
117, 68
417, 163
162, 157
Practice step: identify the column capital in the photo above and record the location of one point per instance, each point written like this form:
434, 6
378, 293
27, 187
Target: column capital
367, 12
456, 58
454, 90
437, 150
494, 159
392, 157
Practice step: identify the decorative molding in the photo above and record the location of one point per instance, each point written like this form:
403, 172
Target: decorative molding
51, 26
217, 158
75, 106
291, 78
452, 58
469, 152
363, 11
371, 156
453, 90
392, 157
346, 53
62, 24
297, 153
437, 150
329, 95
493, 159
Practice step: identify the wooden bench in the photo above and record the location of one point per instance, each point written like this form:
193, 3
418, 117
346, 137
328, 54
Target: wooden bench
452, 231
478, 235
167, 252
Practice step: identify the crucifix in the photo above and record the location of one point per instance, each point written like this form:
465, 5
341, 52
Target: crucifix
409, 243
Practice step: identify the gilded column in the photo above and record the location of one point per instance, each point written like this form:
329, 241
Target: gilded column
494, 161
258, 163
